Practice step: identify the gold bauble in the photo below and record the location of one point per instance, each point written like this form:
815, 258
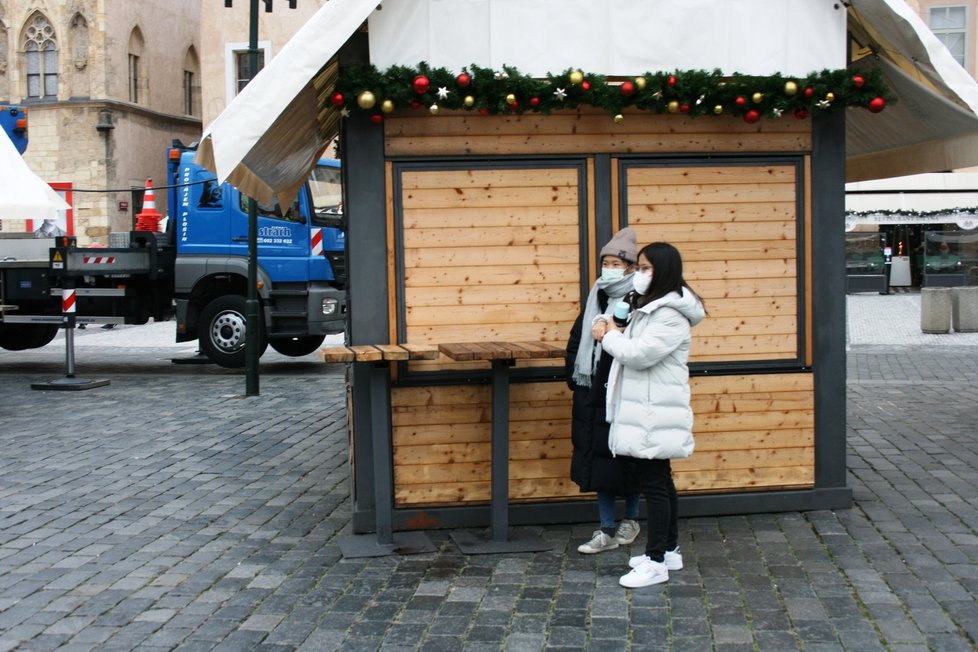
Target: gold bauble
830, 97
469, 101
718, 109
757, 98
640, 83
619, 118
387, 106
366, 100
673, 106
576, 77
510, 99
433, 108
790, 88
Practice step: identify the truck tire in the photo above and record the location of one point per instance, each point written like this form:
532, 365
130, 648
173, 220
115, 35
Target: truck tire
296, 347
222, 331
20, 337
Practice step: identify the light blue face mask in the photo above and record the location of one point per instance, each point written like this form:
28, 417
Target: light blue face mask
612, 274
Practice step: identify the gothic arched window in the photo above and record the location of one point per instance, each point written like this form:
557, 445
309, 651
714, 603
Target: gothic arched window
41, 58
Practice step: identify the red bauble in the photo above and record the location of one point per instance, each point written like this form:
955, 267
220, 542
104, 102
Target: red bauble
421, 84
752, 116
858, 81
627, 88
877, 104
415, 105
740, 101
514, 107
801, 113
484, 111
534, 102
586, 85
376, 118
672, 80
808, 92
684, 108
337, 99
463, 80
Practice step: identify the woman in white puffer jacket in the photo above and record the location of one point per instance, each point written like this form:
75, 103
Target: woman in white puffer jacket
648, 397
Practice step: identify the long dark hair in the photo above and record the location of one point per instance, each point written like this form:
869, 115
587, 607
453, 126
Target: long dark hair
667, 274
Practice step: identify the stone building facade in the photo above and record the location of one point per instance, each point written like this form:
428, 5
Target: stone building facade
108, 85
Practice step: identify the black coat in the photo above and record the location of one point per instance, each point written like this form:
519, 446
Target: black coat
592, 466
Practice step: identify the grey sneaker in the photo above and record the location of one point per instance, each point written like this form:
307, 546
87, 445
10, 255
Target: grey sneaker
673, 560
599, 543
627, 531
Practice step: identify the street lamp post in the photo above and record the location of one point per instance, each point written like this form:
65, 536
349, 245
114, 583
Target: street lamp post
252, 313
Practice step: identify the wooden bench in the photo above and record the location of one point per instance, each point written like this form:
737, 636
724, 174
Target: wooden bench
378, 352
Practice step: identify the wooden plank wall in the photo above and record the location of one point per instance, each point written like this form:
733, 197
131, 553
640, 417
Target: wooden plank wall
490, 254
495, 254
736, 227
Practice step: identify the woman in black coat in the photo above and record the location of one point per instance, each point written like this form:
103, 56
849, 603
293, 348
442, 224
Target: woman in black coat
592, 466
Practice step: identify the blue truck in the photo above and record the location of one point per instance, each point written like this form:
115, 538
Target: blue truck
195, 271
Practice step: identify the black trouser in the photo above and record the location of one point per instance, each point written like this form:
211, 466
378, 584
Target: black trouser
661, 507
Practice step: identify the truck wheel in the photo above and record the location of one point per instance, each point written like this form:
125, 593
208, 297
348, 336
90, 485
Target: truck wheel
222, 331
296, 347
20, 337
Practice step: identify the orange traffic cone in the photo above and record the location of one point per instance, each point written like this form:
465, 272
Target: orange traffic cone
148, 219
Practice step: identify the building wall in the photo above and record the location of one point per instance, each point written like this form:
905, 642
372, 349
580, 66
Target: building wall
227, 28
91, 134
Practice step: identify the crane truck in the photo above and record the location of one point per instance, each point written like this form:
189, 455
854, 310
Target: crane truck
194, 272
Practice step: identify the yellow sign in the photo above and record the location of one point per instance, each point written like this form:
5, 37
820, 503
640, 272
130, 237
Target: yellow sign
56, 257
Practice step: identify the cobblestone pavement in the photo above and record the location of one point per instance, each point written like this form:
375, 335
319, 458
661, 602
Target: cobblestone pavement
166, 512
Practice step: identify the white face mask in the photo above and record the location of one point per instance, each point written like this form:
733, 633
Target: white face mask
641, 282
612, 274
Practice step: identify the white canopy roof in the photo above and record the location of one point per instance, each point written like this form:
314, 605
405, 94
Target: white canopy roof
269, 137
23, 194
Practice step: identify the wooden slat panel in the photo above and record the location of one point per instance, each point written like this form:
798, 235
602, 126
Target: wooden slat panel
473, 258
393, 352
483, 295
752, 432
585, 121
462, 277
486, 179
336, 354
454, 237
720, 174
489, 313
585, 144
457, 198
717, 212
748, 193
487, 216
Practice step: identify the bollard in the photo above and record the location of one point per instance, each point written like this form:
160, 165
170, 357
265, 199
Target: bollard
935, 310
964, 309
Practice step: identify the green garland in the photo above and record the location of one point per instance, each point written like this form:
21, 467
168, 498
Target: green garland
691, 92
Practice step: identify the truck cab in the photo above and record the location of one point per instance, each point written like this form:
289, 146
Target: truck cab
300, 262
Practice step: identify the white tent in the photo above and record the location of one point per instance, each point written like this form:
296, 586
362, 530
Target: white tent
268, 138
23, 194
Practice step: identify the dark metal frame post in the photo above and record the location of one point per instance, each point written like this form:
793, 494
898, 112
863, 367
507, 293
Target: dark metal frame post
252, 311
252, 325
499, 515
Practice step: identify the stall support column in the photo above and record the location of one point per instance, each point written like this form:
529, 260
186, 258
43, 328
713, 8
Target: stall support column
499, 516
384, 541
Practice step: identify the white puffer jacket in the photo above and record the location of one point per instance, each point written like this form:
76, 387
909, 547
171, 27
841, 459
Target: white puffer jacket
648, 389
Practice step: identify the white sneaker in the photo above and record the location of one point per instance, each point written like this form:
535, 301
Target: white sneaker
627, 531
599, 543
673, 560
645, 574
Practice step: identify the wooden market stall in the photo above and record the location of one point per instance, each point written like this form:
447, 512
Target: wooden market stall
473, 227
490, 230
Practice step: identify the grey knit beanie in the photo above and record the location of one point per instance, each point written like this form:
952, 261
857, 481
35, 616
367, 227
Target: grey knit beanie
623, 245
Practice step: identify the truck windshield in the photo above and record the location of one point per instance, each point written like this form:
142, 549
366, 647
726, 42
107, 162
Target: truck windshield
327, 190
